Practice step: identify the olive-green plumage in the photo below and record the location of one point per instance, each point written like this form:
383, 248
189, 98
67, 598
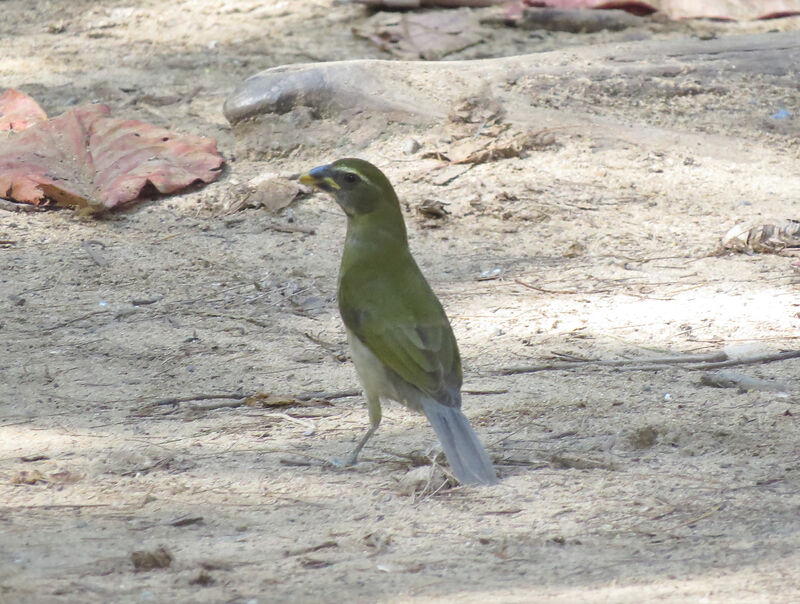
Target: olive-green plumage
401, 341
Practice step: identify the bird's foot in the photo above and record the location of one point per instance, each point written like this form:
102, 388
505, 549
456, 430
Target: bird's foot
343, 462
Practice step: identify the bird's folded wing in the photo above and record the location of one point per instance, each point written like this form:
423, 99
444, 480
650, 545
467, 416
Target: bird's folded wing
424, 355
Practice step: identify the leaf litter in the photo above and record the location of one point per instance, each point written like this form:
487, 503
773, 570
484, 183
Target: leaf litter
19, 111
89, 159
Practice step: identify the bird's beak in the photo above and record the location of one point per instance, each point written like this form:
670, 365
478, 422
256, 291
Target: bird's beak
321, 178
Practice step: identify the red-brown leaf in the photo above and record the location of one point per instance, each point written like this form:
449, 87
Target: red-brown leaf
18, 111
87, 158
740, 10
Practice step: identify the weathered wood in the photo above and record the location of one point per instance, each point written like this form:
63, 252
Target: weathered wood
350, 102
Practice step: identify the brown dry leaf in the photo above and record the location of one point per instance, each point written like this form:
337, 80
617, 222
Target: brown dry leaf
574, 250
150, 560
479, 109
19, 111
28, 477
738, 10
432, 208
422, 481
516, 146
430, 35
269, 191
65, 477
88, 159
478, 150
769, 238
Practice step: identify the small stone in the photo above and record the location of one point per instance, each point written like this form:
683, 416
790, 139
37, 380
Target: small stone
411, 146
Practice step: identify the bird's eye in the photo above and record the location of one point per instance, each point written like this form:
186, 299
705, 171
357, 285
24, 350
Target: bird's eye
351, 178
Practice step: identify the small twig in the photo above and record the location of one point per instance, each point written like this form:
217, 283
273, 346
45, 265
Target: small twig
560, 291
481, 392
329, 346
283, 228
224, 405
506, 437
10, 206
328, 396
56, 506
731, 379
175, 400
691, 362
239, 399
308, 550
75, 320
760, 358
289, 418
531, 463
711, 512
234, 317
611, 363
296, 462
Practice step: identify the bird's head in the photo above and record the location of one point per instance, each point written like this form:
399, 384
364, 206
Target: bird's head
359, 188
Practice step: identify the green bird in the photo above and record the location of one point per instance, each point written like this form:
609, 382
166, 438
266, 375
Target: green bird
400, 339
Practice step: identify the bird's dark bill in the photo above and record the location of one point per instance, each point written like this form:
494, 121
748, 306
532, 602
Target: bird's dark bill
321, 178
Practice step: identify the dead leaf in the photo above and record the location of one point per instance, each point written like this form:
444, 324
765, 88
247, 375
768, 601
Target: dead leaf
492, 145
269, 191
768, 238
65, 477
431, 208
88, 159
430, 35
516, 146
19, 111
28, 477
676, 9
423, 480
480, 109
574, 250
150, 560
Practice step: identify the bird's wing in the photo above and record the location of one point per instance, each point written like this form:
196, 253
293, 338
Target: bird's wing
411, 335
422, 355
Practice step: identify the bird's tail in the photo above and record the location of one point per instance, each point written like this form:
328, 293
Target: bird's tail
463, 449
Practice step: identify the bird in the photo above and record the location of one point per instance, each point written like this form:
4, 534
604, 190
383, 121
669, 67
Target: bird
400, 338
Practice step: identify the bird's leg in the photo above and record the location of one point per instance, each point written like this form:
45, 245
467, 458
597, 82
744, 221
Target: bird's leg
375, 414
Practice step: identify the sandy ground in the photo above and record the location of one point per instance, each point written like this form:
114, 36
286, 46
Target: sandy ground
618, 484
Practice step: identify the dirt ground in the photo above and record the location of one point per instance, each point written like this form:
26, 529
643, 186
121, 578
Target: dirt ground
619, 484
